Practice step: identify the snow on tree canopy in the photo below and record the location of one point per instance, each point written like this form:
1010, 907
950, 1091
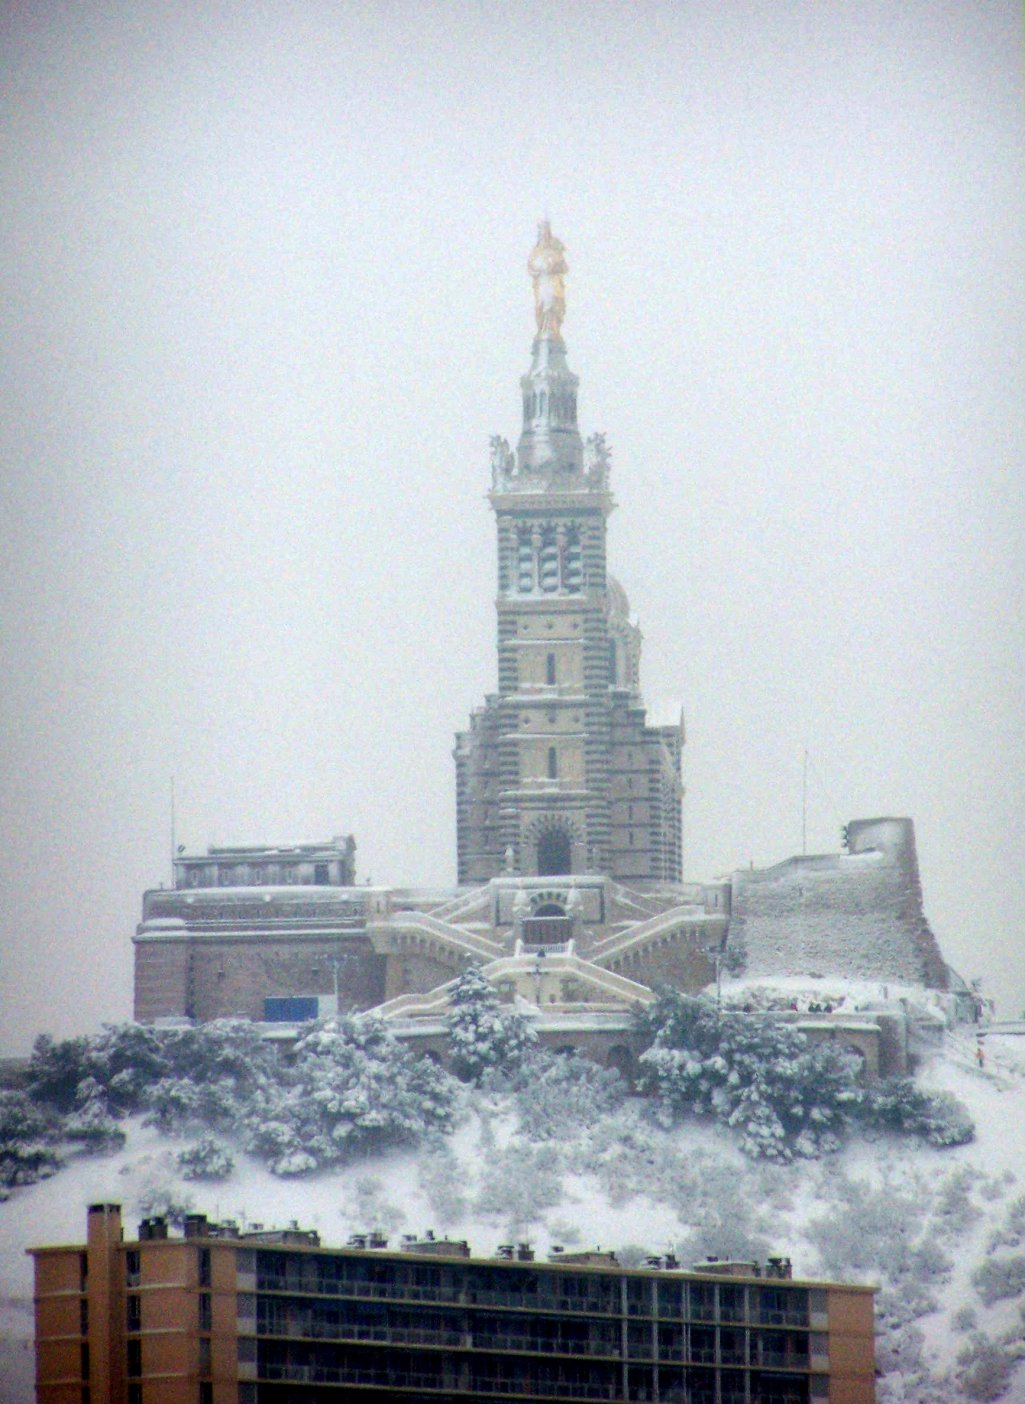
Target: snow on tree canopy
481, 1035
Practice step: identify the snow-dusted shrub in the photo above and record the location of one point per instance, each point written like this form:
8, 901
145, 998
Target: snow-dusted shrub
173, 1102
998, 1278
208, 1159
1011, 1233
164, 1202
276, 1139
985, 1369
27, 1141
956, 1209
372, 1210
964, 1319
871, 1230
520, 1185
557, 1093
897, 1104
483, 1036
632, 1255
443, 1185
725, 1231
91, 1126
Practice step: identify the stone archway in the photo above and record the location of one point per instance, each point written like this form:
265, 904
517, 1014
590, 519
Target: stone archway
552, 845
554, 852
620, 1059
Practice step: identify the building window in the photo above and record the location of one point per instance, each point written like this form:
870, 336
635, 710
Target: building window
133, 1313
204, 1355
133, 1267
553, 763
572, 565
84, 1360
204, 1267
83, 1316
548, 564
206, 1392
320, 875
134, 1354
550, 670
204, 1311
135, 1394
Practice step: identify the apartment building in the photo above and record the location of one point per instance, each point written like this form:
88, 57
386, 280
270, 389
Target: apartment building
219, 1316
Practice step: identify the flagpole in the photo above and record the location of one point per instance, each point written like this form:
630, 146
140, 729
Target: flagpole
804, 804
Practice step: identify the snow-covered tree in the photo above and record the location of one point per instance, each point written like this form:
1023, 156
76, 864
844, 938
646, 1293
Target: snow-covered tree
118, 1066
758, 1075
353, 1088
27, 1141
216, 1075
56, 1069
482, 1036
785, 1096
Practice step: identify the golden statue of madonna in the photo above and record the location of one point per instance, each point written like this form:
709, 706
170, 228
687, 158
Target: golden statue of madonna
546, 266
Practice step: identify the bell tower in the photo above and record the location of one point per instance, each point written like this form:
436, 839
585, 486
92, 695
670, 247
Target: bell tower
558, 773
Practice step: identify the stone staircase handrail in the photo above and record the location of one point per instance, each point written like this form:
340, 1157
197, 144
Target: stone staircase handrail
645, 931
453, 935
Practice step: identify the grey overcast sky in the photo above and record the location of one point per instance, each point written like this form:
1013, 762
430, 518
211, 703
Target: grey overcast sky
264, 300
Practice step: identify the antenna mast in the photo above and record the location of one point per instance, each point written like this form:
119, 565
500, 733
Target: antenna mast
804, 804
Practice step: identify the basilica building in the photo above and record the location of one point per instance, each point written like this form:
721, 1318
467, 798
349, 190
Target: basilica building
569, 837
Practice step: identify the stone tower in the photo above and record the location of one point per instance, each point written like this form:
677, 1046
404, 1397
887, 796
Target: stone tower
559, 772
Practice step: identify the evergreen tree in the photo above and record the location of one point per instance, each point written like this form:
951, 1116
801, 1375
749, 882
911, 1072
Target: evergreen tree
481, 1036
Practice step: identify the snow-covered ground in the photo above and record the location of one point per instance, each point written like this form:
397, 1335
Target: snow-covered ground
918, 1221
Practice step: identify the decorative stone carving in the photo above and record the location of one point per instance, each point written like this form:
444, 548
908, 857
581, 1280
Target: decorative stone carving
503, 461
597, 461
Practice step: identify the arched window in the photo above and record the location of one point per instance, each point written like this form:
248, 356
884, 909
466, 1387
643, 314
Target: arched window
524, 564
572, 566
553, 763
548, 573
550, 670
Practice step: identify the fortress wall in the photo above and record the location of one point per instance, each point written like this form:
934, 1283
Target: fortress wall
857, 915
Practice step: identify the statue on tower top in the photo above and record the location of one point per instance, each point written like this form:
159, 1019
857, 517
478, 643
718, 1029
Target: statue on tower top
546, 266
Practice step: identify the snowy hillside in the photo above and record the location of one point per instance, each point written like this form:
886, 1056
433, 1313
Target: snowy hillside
918, 1221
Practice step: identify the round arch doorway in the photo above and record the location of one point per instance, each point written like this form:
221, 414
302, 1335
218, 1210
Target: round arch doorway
554, 853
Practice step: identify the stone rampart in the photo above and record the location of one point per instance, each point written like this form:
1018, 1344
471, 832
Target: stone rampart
857, 914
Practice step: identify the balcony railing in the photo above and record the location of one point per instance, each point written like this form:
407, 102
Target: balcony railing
407, 1379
